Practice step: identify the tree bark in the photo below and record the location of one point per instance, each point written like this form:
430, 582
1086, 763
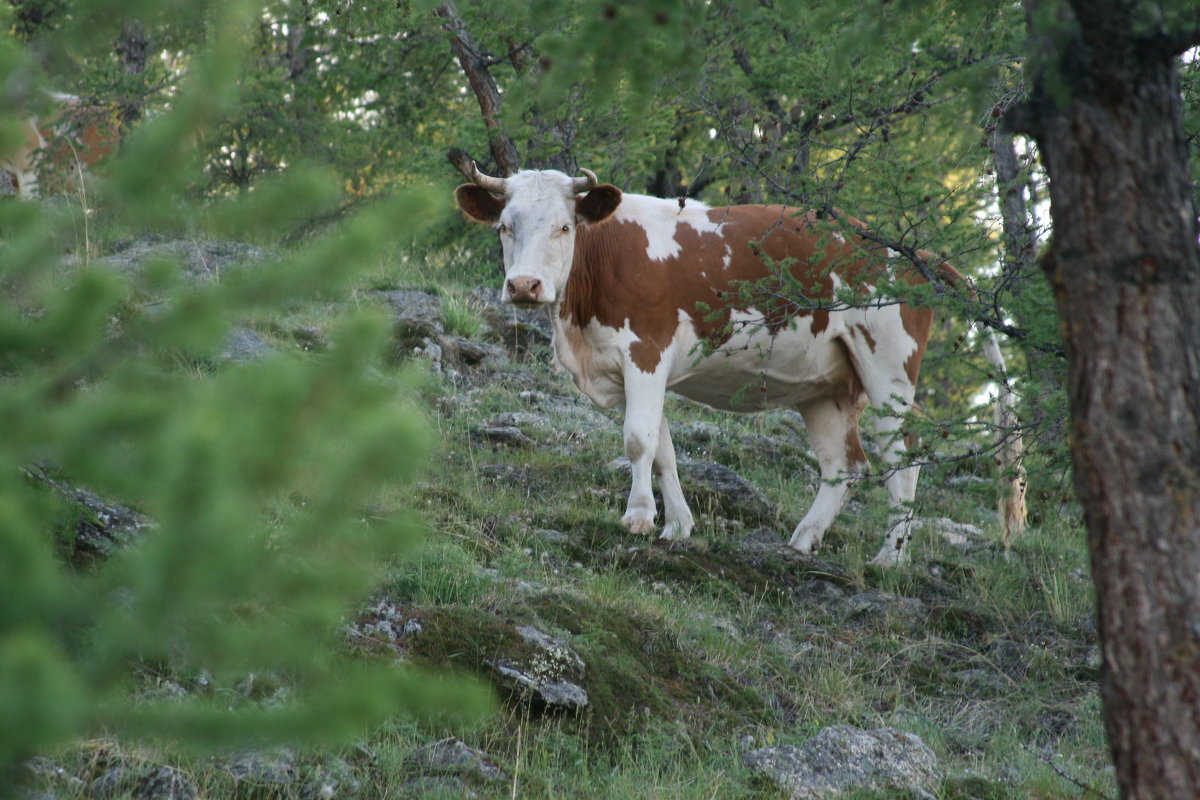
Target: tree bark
475, 67
1106, 112
1019, 246
132, 47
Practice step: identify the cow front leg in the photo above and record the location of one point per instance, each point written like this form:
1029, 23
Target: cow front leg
644, 397
679, 521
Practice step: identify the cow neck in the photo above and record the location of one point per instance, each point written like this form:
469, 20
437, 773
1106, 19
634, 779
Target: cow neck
595, 251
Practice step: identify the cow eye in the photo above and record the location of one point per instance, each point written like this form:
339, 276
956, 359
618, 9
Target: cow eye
503, 228
566, 228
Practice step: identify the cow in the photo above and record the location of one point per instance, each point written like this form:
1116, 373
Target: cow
647, 294
20, 161
59, 145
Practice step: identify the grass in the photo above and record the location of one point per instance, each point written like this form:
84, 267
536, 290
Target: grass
697, 651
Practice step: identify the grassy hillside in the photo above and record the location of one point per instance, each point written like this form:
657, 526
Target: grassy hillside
690, 654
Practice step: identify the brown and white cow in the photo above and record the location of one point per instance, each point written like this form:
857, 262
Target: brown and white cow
59, 146
648, 295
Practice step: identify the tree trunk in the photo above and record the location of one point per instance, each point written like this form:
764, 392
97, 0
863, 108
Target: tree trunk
1019, 246
475, 67
1106, 113
132, 47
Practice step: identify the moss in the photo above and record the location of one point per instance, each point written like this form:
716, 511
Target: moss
718, 570
637, 671
973, 788
464, 637
957, 621
712, 571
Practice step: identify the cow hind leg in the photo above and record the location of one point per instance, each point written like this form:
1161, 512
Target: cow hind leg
679, 520
833, 434
899, 478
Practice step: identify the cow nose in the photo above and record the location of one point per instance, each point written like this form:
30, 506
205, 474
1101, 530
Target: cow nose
524, 290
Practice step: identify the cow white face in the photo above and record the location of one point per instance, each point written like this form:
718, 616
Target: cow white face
536, 219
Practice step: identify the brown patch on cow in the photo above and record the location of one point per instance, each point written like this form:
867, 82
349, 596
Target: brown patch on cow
866, 332
478, 203
854, 449
60, 144
614, 281
917, 323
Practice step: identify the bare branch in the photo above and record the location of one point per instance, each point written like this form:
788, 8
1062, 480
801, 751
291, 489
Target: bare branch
475, 67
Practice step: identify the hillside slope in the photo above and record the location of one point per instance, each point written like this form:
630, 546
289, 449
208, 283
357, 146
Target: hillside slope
725, 666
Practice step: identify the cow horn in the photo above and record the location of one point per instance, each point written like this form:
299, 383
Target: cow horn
586, 183
493, 185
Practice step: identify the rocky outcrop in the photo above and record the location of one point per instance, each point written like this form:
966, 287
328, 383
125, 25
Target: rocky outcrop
200, 259
96, 526
518, 328
454, 756
727, 492
551, 673
842, 758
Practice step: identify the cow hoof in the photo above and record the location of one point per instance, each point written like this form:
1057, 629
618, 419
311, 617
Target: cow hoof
675, 530
889, 557
639, 526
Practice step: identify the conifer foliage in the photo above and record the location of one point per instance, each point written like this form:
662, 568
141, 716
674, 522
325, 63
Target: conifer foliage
269, 493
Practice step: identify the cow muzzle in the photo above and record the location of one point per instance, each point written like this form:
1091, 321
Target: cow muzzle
526, 291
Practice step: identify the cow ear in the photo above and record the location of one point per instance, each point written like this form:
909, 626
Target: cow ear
598, 203
479, 203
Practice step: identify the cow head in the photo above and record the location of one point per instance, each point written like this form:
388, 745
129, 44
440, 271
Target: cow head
536, 213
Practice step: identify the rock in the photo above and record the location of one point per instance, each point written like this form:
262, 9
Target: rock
1011, 658
244, 344
740, 498
165, 783
523, 420
820, 592
44, 779
576, 410
519, 328
551, 674
201, 259
842, 758
275, 768
508, 474
454, 755
736, 497
331, 781
867, 606
113, 782
467, 353
505, 435
441, 788
979, 681
763, 538
959, 534
99, 525
416, 316
310, 338
695, 433
432, 352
